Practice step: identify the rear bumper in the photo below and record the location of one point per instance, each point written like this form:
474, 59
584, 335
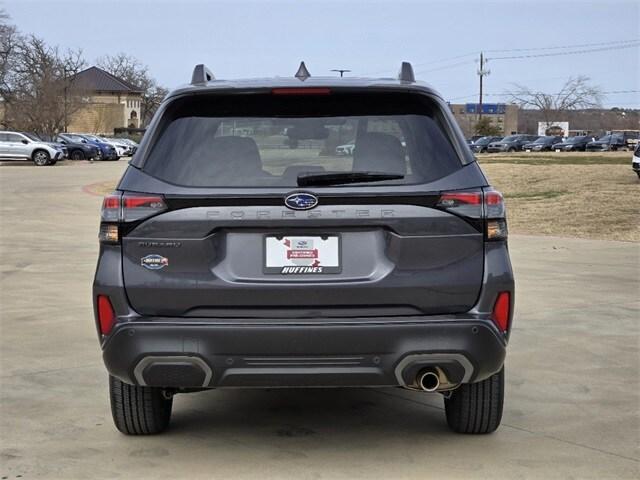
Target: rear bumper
372, 352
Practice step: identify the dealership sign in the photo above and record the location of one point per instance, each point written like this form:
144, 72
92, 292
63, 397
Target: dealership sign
553, 129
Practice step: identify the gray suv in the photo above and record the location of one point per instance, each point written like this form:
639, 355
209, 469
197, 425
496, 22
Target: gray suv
239, 250
20, 146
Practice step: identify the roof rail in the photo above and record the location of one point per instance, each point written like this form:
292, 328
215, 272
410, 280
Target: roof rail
406, 73
201, 75
302, 74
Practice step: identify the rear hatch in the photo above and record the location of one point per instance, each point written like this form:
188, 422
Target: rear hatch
243, 207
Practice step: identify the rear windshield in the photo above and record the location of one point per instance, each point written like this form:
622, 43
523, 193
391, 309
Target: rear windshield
269, 140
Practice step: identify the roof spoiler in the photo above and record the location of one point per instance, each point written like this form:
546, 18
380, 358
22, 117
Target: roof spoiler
201, 75
406, 73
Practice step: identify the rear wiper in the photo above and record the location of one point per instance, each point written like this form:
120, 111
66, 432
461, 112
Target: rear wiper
342, 178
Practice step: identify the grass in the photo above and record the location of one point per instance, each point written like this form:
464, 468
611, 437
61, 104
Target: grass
597, 198
552, 158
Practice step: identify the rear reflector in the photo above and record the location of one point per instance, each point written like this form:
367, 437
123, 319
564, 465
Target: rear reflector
501, 311
301, 91
106, 315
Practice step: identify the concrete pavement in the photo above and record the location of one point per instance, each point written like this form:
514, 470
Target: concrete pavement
572, 400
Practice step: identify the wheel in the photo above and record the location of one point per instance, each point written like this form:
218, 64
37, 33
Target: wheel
511, 149
476, 407
41, 158
77, 155
138, 410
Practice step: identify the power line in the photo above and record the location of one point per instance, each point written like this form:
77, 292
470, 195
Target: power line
557, 47
573, 52
619, 43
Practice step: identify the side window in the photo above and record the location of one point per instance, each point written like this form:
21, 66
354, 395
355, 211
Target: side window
3, 137
12, 137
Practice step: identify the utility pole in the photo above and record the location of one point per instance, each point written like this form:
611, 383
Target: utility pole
481, 73
341, 71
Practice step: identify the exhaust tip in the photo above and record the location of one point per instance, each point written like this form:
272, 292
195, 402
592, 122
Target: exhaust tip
428, 380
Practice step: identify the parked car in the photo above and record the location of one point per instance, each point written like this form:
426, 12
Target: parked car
79, 148
573, 144
630, 137
512, 143
346, 149
481, 144
133, 145
54, 144
611, 142
635, 162
122, 149
18, 146
304, 275
542, 144
107, 151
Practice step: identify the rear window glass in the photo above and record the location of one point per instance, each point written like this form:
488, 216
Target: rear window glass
269, 140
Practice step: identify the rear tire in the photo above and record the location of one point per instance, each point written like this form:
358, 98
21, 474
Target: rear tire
138, 410
476, 407
77, 155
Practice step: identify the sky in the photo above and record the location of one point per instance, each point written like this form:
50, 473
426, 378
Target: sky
442, 39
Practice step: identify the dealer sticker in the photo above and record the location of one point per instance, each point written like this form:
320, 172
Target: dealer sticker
154, 262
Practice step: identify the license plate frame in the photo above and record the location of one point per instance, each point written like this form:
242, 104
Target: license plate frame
280, 259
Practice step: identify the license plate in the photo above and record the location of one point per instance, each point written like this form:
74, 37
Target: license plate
298, 255
528, 150
557, 150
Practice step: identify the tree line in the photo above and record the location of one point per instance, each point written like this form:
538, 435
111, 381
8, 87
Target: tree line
37, 91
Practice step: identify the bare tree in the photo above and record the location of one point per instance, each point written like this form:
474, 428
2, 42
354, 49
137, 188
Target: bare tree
576, 93
132, 71
8, 39
37, 83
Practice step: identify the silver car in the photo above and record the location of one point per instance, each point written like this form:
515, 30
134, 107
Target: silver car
18, 146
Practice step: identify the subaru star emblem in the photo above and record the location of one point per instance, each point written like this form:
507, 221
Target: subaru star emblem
301, 201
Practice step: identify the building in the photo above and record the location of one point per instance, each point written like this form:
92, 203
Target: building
108, 103
503, 116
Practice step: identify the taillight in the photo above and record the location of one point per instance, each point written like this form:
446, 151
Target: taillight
137, 207
476, 205
465, 204
501, 311
119, 208
106, 315
494, 212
